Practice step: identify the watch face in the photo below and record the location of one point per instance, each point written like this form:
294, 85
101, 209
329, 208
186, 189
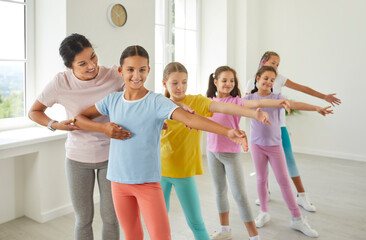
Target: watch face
117, 15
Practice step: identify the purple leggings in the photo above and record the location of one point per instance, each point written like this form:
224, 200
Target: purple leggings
276, 157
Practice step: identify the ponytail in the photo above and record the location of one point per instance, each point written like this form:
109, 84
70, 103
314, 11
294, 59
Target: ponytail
212, 89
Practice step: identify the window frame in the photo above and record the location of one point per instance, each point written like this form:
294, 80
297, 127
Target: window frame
29, 81
168, 44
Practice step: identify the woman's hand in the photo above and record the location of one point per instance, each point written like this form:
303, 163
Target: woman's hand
238, 136
115, 131
67, 125
332, 99
262, 117
324, 111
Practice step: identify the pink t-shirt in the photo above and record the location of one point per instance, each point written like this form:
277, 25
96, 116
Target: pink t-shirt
77, 95
218, 143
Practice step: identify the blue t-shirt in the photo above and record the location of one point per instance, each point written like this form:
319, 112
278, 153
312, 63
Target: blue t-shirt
264, 134
136, 160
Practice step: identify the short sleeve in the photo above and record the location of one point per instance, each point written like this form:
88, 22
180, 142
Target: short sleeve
250, 85
280, 96
103, 105
164, 107
248, 97
282, 79
202, 106
48, 97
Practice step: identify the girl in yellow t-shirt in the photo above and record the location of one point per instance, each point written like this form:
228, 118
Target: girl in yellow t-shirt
180, 147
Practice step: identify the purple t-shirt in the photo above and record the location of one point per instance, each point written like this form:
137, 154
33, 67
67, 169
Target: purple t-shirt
218, 143
264, 134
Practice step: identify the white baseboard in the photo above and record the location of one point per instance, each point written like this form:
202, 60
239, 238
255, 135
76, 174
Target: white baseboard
332, 154
61, 211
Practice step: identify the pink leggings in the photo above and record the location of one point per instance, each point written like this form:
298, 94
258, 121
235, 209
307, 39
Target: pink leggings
276, 157
129, 199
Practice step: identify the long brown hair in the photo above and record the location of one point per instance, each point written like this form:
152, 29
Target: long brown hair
172, 68
212, 89
259, 73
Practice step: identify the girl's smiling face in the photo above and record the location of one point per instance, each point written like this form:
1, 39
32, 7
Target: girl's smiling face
134, 70
265, 81
225, 83
273, 61
177, 85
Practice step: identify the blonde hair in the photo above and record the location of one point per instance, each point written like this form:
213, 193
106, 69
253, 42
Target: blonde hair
172, 68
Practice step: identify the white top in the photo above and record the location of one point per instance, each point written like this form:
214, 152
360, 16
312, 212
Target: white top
280, 82
77, 95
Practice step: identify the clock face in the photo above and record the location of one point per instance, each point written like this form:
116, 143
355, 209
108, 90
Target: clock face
117, 15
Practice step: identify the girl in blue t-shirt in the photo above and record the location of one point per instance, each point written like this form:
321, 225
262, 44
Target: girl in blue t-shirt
137, 116
266, 146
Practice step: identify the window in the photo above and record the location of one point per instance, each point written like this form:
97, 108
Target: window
15, 64
176, 39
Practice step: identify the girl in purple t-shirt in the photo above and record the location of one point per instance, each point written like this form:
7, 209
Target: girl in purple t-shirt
266, 146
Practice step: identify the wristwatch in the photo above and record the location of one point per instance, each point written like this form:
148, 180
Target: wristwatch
49, 125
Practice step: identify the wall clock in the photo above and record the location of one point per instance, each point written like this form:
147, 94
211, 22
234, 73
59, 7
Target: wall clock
117, 15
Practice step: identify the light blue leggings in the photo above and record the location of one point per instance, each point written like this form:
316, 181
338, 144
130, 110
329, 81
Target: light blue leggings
290, 159
186, 189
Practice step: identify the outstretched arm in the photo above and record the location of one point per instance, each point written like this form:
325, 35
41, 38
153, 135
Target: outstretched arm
327, 97
233, 109
198, 122
112, 130
267, 103
308, 107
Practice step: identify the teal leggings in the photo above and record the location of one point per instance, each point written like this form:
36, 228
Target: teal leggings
290, 159
186, 189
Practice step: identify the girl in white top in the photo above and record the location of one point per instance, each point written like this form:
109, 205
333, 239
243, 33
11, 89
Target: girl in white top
272, 59
83, 84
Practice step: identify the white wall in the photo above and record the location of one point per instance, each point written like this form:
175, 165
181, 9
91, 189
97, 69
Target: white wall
213, 39
322, 45
89, 17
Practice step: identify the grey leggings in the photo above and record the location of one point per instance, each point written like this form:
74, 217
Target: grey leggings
81, 179
229, 165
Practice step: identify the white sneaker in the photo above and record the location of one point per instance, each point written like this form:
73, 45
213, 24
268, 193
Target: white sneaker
262, 218
303, 201
259, 203
221, 235
303, 226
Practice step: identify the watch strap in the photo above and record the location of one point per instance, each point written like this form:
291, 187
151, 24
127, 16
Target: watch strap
49, 125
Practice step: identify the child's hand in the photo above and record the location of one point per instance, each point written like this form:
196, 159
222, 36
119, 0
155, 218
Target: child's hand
67, 125
262, 117
238, 136
286, 104
115, 131
332, 99
185, 107
324, 111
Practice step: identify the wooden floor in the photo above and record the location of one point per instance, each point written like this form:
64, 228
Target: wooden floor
336, 187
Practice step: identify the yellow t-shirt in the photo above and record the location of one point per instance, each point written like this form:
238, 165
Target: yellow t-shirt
181, 147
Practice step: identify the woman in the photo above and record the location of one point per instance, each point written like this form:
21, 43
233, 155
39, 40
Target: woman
82, 85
